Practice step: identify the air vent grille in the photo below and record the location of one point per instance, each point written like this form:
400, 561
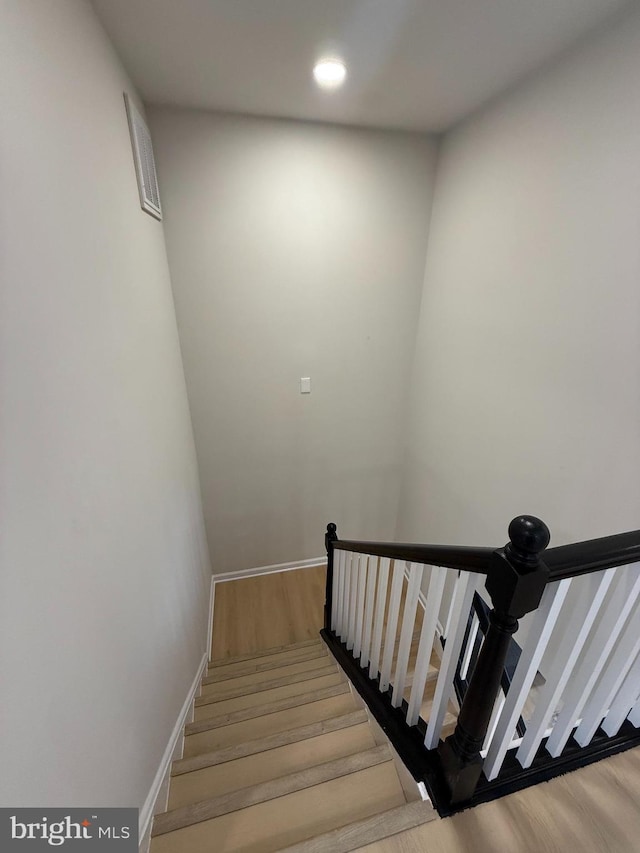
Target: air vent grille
143, 158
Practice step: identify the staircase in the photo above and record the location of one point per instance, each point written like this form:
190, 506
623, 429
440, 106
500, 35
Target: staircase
507, 710
281, 755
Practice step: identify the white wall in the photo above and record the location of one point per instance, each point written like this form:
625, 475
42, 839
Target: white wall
295, 250
104, 569
525, 390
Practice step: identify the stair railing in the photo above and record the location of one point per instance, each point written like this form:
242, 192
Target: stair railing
573, 694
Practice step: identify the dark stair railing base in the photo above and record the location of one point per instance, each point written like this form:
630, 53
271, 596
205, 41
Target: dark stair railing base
408, 741
513, 777
427, 766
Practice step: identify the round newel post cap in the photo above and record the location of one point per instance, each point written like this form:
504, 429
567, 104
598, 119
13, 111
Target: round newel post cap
331, 535
529, 536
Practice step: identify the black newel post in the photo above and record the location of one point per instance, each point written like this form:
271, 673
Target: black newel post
329, 538
515, 581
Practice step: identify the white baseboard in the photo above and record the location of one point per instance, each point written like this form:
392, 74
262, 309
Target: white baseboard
152, 803
269, 570
212, 595
149, 808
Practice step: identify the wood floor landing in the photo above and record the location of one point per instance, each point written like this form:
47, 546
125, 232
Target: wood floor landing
593, 810
254, 614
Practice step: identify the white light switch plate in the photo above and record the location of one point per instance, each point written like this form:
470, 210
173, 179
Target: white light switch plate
305, 385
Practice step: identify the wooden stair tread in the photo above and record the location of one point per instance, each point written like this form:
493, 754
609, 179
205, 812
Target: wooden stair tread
432, 677
229, 691
252, 747
235, 670
250, 796
263, 710
226, 706
249, 679
303, 814
357, 835
266, 766
274, 650
268, 724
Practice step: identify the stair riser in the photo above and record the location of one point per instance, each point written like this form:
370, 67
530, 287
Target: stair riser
274, 789
257, 678
224, 673
258, 699
359, 835
268, 826
253, 747
267, 724
266, 653
265, 766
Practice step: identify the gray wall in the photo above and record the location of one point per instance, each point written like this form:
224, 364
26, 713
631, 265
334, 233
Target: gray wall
525, 393
295, 250
104, 571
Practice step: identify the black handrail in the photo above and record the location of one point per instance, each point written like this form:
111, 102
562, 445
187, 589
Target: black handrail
565, 561
581, 558
449, 556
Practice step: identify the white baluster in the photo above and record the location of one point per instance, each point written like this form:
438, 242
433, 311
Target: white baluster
362, 586
622, 600
624, 702
578, 625
463, 592
353, 600
343, 572
346, 597
498, 705
425, 647
406, 634
471, 641
634, 716
378, 625
335, 595
544, 620
611, 680
392, 624
447, 624
372, 576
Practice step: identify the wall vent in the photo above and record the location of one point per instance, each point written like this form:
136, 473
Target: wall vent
143, 158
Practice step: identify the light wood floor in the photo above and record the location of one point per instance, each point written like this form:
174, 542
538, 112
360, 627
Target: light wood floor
267, 611
593, 810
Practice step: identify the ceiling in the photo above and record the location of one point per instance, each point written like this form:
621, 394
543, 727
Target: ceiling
413, 64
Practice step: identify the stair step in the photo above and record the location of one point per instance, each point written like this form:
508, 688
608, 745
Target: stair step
268, 826
250, 700
217, 720
267, 766
427, 704
251, 679
432, 676
230, 690
274, 650
235, 670
264, 791
357, 835
253, 747
255, 723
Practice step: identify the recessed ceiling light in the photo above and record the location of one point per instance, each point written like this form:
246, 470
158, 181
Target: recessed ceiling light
330, 73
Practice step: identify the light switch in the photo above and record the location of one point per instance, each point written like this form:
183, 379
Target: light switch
305, 385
